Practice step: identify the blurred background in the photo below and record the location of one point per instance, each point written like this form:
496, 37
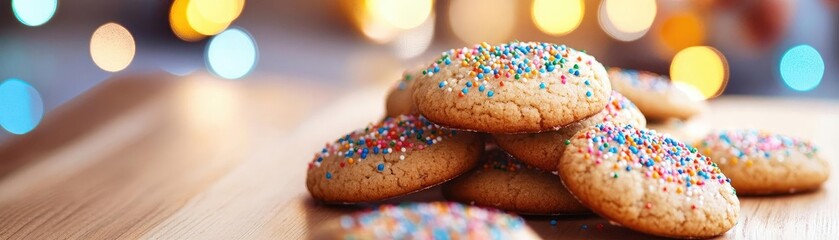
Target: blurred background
52, 51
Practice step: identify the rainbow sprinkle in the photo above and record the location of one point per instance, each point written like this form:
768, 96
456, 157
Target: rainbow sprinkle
499, 160
435, 220
640, 79
489, 67
747, 144
617, 104
405, 81
401, 134
625, 149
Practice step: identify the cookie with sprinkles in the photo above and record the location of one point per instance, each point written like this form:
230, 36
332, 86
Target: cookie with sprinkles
399, 100
657, 98
515, 87
434, 220
544, 150
760, 162
648, 182
508, 184
394, 157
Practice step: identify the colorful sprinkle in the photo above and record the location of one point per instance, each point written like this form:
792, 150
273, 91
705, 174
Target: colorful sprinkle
750, 144
435, 220
403, 133
490, 93
513, 60
640, 79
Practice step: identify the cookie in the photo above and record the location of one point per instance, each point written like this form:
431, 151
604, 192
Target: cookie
391, 158
657, 98
435, 220
508, 184
399, 100
760, 162
516, 87
688, 130
648, 182
543, 150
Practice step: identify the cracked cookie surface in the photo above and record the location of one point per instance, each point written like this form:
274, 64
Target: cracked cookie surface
508, 184
544, 150
518, 87
397, 156
760, 162
648, 182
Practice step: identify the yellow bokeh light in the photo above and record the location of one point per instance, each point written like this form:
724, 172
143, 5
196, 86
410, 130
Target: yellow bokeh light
492, 22
702, 67
557, 17
112, 47
210, 17
682, 30
631, 15
406, 14
179, 24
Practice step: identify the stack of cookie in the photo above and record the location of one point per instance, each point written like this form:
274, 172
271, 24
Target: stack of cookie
530, 128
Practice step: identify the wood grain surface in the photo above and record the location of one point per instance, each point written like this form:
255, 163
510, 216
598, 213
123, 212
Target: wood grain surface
164, 157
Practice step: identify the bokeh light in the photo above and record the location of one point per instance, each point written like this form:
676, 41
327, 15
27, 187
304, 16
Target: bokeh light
112, 47
557, 17
475, 21
179, 23
682, 30
21, 107
405, 14
626, 20
231, 54
702, 67
210, 17
34, 12
413, 42
802, 68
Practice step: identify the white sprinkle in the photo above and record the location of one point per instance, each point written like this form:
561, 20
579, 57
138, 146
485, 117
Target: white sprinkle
401, 157
403, 149
449, 89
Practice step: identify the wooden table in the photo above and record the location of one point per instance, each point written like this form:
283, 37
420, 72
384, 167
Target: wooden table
163, 157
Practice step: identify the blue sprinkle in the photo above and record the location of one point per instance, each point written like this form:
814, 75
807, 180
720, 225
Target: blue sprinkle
528, 68
469, 84
320, 159
519, 71
628, 168
650, 163
442, 84
613, 150
376, 150
381, 167
588, 93
633, 149
550, 68
553, 222
587, 82
490, 93
480, 76
429, 142
323, 151
436, 69
487, 69
584, 227
465, 90
482, 87
448, 61
542, 85
577, 73
366, 150
363, 155
328, 175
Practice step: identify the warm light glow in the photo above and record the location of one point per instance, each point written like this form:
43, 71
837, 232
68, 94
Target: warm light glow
702, 67
403, 14
802, 68
232, 54
34, 12
412, 43
21, 107
112, 47
210, 17
626, 20
557, 17
475, 21
179, 23
682, 30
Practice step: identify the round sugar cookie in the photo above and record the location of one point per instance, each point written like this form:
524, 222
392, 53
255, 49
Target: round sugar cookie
434, 220
657, 98
760, 162
508, 184
399, 100
543, 150
397, 156
648, 182
516, 87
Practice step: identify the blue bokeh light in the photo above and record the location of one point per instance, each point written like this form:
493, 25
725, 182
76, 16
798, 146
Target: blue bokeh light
21, 107
34, 12
231, 54
802, 68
